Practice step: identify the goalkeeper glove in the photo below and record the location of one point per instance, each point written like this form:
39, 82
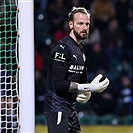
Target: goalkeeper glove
95, 85
83, 97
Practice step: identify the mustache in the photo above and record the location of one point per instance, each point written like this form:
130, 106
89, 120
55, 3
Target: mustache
84, 31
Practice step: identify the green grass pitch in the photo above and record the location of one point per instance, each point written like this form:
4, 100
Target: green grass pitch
94, 129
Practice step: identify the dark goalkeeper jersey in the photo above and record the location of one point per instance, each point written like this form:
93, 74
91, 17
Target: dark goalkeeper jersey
67, 64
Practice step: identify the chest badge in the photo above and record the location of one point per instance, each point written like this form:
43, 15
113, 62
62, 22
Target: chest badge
84, 57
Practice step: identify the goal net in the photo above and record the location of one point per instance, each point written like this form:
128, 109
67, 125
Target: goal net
9, 99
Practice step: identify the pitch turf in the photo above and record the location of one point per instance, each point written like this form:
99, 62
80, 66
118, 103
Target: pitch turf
94, 129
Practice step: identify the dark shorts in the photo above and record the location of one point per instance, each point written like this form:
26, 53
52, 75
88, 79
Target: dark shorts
60, 122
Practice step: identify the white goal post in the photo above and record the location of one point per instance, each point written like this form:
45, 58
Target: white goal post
26, 62
17, 106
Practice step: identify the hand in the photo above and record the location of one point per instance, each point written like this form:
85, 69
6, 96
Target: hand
97, 86
83, 97
82, 88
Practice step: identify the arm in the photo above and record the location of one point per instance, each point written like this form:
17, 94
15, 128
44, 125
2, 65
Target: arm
59, 57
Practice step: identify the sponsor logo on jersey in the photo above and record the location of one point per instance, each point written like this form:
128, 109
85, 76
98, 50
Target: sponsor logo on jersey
76, 69
63, 47
59, 57
75, 56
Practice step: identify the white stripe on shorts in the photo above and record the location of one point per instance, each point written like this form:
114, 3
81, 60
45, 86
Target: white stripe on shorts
59, 118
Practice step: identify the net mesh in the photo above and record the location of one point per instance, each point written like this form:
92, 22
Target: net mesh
9, 103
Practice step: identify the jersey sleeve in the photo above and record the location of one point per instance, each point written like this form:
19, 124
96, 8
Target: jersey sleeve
60, 57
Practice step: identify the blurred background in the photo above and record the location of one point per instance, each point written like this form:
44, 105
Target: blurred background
110, 53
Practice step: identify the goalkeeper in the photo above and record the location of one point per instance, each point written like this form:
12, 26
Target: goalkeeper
67, 76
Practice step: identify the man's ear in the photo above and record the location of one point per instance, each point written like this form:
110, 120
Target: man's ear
71, 25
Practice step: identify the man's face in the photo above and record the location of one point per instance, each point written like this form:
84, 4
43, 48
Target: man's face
80, 26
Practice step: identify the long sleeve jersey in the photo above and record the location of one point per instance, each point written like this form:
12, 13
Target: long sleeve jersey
67, 64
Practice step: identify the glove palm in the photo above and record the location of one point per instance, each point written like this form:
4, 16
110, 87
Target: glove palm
83, 97
97, 86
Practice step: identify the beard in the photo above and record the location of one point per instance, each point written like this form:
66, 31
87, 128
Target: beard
79, 35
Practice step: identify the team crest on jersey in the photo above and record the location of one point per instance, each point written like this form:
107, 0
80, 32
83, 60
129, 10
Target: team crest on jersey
84, 58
